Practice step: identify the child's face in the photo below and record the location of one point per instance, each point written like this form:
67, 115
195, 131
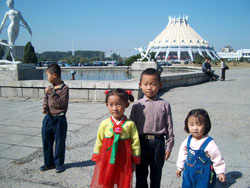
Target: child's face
150, 85
116, 107
195, 127
51, 77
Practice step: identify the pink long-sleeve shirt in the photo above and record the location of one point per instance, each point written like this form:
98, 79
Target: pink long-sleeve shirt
153, 116
212, 151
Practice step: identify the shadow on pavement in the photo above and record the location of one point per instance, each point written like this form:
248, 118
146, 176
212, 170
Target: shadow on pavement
230, 79
79, 164
231, 178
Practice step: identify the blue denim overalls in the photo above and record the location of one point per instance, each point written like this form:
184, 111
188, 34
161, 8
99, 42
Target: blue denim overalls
198, 168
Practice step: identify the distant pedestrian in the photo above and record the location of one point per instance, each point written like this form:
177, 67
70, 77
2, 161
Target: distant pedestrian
224, 67
54, 127
199, 157
207, 68
117, 147
153, 118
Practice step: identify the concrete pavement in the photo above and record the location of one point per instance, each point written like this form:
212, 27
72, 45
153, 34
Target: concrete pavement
228, 104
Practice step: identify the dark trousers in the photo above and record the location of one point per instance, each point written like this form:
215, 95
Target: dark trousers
211, 75
153, 156
54, 129
223, 71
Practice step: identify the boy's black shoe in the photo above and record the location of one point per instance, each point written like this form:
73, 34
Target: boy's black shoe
44, 167
59, 169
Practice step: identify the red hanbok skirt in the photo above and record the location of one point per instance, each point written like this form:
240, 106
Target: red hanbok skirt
118, 175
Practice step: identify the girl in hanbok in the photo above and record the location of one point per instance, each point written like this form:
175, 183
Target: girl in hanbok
117, 147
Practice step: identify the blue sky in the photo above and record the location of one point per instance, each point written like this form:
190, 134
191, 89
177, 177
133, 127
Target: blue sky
121, 25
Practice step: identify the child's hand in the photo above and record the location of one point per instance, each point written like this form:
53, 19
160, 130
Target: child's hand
178, 173
48, 90
222, 177
133, 167
167, 155
57, 87
45, 109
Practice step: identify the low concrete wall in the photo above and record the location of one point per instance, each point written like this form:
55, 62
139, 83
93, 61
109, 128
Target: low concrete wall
94, 90
140, 66
19, 72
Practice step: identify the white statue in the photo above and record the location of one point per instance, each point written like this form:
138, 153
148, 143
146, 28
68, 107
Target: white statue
13, 29
144, 53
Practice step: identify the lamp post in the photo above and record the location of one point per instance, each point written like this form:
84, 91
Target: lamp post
73, 74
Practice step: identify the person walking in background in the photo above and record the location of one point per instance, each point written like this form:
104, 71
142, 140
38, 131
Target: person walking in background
199, 157
224, 67
54, 127
117, 147
153, 118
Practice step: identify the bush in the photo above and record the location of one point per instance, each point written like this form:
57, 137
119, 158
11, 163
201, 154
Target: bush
131, 59
198, 59
241, 59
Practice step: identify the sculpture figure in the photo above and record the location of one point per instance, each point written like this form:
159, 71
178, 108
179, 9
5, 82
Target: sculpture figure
13, 29
145, 53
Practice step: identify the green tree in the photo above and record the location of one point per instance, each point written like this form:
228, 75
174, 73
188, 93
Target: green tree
29, 54
241, 59
198, 59
83, 60
101, 56
80, 56
114, 56
132, 59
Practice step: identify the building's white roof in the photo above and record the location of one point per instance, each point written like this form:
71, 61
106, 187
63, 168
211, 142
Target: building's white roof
178, 33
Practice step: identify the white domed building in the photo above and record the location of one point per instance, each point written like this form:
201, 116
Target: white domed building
179, 41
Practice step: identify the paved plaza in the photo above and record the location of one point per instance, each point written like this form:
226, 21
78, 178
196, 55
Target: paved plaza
228, 104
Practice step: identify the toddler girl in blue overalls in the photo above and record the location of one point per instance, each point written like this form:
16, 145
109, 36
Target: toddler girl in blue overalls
199, 157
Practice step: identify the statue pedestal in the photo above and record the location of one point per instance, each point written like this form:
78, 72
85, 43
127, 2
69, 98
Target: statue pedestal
140, 66
20, 72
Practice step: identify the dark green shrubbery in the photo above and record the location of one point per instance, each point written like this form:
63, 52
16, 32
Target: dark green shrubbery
29, 54
198, 59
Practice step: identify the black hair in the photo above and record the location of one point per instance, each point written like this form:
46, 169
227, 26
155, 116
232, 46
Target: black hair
54, 68
202, 117
208, 58
151, 71
123, 94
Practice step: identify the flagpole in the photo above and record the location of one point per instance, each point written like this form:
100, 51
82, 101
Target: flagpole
73, 53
